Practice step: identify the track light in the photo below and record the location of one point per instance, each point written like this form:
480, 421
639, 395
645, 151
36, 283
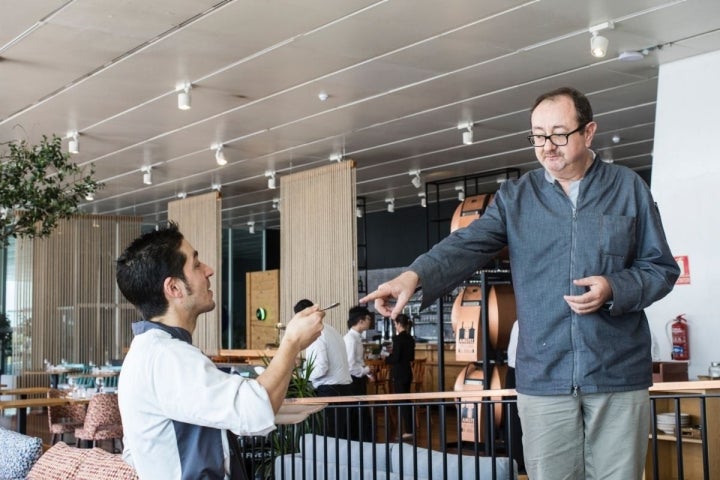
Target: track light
276, 204
323, 95
251, 226
270, 175
90, 196
390, 204
219, 154
216, 187
598, 43
358, 212
461, 192
147, 175
73, 143
467, 136
182, 195
335, 157
423, 199
184, 97
416, 180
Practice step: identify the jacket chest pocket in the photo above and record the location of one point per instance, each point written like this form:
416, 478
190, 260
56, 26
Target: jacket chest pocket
617, 235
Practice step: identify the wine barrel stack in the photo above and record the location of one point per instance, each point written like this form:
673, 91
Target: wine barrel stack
482, 317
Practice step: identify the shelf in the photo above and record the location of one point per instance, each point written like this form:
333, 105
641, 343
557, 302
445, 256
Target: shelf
672, 438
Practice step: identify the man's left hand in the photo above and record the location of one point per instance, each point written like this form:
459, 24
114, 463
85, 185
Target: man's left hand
598, 293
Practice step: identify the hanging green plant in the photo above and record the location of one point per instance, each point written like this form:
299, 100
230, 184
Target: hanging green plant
39, 186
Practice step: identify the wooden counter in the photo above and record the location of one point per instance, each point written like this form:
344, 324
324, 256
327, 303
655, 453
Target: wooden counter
692, 454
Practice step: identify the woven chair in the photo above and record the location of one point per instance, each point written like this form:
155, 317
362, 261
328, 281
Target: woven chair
102, 420
63, 419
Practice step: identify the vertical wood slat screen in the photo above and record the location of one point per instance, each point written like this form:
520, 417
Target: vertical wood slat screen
68, 305
318, 240
199, 219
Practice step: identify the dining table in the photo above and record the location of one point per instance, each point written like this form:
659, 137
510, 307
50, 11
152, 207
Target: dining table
23, 402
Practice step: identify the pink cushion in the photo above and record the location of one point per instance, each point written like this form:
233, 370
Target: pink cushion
58, 463
62, 462
108, 466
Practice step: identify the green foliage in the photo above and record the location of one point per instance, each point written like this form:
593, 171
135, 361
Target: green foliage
39, 186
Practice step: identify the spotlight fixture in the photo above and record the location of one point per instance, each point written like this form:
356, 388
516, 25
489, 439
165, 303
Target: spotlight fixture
276, 204
219, 154
184, 97
182, 195
270, 175
390, 204
416, 180
323, 95
616, 138
90, 196
461, 192
423, 199
467, 136
73, 143
216, 187
358, 212
251, 227
147, 175
598, 43
336, 157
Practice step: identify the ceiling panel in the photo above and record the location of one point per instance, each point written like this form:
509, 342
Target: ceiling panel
400, 75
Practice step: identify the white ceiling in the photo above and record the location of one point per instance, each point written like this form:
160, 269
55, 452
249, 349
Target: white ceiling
400, 75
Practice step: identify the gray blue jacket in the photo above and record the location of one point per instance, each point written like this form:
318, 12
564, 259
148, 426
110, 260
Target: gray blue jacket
614, 231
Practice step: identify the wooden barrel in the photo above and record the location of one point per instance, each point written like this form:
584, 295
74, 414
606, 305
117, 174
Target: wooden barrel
466, 314
471, 379
469, 209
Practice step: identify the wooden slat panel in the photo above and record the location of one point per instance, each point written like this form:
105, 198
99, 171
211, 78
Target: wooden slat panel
319, 240
199, 219
67, 302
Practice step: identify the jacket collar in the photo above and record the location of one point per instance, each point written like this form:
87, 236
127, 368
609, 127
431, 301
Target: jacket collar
142, 326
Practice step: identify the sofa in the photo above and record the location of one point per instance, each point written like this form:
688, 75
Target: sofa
320, 460
62, 462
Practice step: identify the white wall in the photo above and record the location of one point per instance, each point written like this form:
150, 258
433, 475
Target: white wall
686, 186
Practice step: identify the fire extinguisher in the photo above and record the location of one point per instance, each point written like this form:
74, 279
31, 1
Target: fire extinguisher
680, 339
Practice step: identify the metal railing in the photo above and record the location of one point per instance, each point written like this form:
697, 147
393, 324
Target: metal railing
464, 435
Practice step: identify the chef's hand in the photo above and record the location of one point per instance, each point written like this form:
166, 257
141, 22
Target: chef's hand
400, 288
598, 293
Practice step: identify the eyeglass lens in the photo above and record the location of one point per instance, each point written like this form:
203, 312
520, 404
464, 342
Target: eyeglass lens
557, 139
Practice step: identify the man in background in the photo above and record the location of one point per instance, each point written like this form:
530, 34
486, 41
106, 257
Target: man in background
359, 320
330, 375
176, 406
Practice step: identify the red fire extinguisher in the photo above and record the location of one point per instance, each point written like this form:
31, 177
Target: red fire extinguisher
680, 339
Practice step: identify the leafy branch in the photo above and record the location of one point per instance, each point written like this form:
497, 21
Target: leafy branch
39, 186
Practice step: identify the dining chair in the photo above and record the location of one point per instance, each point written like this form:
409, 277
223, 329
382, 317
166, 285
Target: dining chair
418, 371
381, 379
63, 419
102, 420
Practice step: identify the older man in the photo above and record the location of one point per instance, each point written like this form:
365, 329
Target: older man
588, 253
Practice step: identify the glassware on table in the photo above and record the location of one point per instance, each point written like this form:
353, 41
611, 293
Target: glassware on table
72, 386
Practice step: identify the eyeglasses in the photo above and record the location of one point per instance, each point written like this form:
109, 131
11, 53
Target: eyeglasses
557, 139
